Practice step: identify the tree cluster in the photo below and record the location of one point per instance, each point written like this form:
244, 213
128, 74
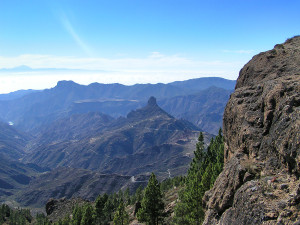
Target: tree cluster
203, 172
107, 208
14, 216
172, 182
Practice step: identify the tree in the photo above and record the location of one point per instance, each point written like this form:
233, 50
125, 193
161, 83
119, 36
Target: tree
108, 210
152, 204
127, 196
87, 216
121, 216
202, 174
77, 215
41, 219
194, 190
138, 193
99, 216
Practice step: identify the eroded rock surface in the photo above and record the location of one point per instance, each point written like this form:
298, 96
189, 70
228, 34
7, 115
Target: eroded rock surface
260, 182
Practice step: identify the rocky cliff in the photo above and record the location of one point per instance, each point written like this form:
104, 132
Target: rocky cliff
260, 181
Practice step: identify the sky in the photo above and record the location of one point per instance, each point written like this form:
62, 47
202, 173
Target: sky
136, 41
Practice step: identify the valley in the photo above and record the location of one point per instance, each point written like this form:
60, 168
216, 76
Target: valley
82, 141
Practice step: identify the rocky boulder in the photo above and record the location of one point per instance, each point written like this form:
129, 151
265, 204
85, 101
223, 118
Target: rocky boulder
260, 181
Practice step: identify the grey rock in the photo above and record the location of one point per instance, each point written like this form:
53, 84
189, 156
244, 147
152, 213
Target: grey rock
261, 127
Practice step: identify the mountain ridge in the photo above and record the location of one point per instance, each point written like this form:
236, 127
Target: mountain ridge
144, 129
35, 110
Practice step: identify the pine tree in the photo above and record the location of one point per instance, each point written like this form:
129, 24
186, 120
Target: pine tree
152, 204
41, 219
77, 215
127, 196
202, 174
108, 210
87, 216
121, 216
194, 190
138, 194
99, 216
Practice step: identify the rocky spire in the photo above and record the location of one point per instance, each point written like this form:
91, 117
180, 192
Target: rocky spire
152, 101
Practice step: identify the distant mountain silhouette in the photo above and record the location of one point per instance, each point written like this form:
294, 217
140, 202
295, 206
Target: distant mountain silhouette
194, 85
39, 109
204, 108
22, 68
16, 94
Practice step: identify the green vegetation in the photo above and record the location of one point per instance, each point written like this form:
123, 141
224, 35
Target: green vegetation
111, 209
14, 216
152, 204
172, 182
121, 216
41, 219
202, 174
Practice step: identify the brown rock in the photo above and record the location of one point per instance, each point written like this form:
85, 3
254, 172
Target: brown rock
261, 132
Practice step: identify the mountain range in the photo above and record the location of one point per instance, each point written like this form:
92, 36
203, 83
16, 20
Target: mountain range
78, 141
34, 110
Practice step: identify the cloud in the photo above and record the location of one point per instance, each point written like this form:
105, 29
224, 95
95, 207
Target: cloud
153, 62
154, 68
156, 55
70, 29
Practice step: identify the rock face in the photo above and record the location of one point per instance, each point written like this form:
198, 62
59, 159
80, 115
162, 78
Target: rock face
260, 181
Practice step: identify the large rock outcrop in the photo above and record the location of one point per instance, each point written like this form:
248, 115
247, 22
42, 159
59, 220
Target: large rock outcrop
260, 181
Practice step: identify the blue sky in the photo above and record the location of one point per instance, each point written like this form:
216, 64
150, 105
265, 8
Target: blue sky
137, 41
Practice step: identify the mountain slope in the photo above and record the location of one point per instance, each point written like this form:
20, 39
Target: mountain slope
196, 85
12, 142
146, 131
16, 94
39, 109
71, 183
204, 109
75, 127
260, 182
15, 176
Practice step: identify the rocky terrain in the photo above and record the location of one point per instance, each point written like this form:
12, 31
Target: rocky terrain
260, 181
85, 155
128, 146
79, 141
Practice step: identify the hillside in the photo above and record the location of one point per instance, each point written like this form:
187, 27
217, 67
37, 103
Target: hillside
37, 109
130, 146
16, 94
15, 176
204, 109
83, 155
73, 183
260, 182
12, 142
